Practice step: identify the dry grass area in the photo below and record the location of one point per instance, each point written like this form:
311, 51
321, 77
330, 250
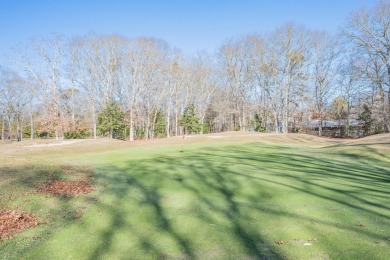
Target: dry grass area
374, 140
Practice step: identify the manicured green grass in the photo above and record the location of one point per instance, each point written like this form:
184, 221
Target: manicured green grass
211, 201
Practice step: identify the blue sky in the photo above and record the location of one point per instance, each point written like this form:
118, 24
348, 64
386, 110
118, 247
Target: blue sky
188, 24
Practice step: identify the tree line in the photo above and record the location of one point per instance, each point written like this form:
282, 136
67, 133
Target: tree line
129, 88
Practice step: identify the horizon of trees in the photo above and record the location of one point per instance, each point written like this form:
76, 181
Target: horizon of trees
111, 85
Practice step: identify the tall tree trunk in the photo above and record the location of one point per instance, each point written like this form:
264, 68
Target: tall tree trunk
243, 119
131, 127
31, 126
2, 128
348, 113
73, 111
94, 130
147, 132
9, 128
18, 129
176, 121
31, 121
94, 124
276, 122
388, 100
154, 124
384, 112
285, 129
168, 123
320, 127
201, 122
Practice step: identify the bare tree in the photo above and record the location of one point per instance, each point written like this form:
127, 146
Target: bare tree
234, 69
44, 68
94, 66
203, 84
131, 75
369, 30
13, 100
351, 82
174, 85
324, 72
290, 46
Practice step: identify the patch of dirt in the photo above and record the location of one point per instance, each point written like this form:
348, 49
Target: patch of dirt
66, 188
15, 221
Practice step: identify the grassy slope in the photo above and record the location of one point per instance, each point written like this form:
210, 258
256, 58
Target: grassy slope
217, 199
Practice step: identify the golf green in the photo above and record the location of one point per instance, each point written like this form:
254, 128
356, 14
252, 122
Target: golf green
208, 200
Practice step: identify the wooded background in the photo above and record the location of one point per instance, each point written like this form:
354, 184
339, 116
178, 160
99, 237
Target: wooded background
128, 88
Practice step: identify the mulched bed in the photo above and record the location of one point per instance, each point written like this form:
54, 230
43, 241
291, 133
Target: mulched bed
66, 188
15, 221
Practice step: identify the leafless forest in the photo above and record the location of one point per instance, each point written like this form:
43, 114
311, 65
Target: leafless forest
109, 85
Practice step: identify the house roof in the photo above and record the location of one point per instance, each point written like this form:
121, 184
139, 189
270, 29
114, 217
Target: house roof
331, 123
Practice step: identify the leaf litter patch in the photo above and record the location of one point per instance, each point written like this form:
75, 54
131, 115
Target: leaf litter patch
15, 221
70, 188
66, 188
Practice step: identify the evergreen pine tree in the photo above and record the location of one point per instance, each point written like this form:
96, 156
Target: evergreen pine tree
160, 128
189, 121
257, 123
111, 121
366, 118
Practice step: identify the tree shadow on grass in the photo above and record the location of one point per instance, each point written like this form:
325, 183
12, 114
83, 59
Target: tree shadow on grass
150, 197
218, 202
217, 191
216, 188
148, 183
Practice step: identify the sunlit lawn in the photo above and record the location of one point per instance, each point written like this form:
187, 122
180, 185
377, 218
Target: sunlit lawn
238, 200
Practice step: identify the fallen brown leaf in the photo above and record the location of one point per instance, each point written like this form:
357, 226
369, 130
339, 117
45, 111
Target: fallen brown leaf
66, 188
15, 221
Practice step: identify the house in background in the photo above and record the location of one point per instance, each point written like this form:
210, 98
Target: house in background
334, 128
